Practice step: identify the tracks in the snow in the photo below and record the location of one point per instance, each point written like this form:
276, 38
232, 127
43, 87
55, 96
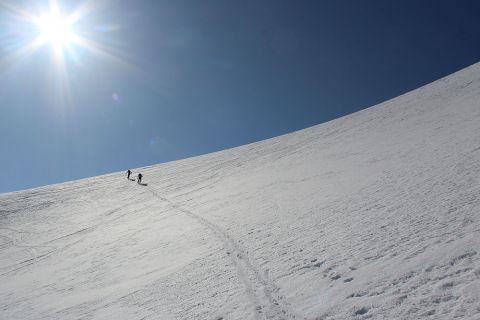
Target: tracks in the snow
269, 304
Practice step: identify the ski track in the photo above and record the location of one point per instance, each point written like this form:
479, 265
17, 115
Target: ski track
269, 304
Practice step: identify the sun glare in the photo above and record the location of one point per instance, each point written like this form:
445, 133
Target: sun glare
56, 30
64, 29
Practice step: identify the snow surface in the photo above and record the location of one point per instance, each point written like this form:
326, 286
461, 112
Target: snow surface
374, 215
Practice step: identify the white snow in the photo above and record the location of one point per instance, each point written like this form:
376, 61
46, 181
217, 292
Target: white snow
374, 215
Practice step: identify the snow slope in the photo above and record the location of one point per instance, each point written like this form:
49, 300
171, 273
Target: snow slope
374, 215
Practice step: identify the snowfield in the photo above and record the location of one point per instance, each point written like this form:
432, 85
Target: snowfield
375, 215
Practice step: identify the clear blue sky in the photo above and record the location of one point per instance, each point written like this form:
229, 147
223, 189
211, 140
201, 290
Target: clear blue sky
164, 80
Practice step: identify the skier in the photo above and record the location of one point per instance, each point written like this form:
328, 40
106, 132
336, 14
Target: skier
128, 174
139, 180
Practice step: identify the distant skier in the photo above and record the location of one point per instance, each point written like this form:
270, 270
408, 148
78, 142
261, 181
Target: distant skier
139, 180
128, 174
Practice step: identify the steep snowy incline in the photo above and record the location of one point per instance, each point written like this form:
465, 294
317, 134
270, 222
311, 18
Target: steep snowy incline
374, 215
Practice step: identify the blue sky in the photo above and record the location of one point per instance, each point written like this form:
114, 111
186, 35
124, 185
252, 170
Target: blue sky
165, 80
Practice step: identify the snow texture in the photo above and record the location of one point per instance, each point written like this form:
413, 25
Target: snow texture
375, 215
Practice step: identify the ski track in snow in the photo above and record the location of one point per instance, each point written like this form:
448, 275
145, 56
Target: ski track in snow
262, 292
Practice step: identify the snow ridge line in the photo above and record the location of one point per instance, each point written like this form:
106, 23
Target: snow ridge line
262, 291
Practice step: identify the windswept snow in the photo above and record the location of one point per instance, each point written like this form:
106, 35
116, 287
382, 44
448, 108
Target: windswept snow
374, 215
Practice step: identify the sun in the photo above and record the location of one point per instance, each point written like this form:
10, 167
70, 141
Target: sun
70, 31
55, 29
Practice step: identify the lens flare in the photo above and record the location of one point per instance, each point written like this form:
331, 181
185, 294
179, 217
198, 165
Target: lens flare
115, 97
